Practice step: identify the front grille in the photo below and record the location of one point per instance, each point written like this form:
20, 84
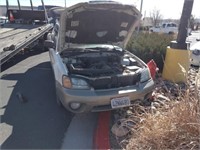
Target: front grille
114, 81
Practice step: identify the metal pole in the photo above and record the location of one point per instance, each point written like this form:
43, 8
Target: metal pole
45, 11
19, 4
43, 5
183, 27
7, 6
31, 4
65, 3
141, 4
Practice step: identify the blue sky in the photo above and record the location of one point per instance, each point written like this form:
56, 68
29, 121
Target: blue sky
170, 9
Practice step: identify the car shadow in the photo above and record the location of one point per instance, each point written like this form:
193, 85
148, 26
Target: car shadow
37, 121
20, 57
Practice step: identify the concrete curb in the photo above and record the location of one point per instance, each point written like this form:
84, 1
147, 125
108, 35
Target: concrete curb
102, 134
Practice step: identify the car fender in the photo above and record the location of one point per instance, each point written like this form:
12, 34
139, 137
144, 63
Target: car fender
58, 67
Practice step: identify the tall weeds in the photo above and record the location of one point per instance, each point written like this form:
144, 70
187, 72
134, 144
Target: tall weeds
177, 127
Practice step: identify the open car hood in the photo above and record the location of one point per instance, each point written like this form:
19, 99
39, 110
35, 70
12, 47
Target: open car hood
97, 23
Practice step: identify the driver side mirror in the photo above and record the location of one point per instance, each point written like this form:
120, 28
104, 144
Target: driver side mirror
49, 43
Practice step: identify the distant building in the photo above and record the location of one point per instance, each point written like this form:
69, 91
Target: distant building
147, 22
177, 21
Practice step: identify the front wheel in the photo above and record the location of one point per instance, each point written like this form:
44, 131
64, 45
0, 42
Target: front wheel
171, 33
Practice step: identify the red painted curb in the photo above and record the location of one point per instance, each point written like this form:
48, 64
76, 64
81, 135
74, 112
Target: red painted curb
101, 135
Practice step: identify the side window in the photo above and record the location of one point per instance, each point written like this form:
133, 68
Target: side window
174, 25
163, 25
169, 25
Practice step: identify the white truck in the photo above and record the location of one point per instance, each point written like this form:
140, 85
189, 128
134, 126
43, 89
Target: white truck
169, 28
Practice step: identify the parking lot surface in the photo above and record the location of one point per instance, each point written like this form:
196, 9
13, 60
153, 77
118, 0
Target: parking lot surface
30, 117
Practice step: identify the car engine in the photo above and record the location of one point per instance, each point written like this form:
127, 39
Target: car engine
104, 69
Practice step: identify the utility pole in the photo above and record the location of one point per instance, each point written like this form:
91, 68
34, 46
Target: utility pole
183, 27
65, 3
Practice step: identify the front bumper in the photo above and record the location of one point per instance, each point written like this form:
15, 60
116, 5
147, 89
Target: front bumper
100, 100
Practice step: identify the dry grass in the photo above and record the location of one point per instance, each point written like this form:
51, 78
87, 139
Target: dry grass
177, 127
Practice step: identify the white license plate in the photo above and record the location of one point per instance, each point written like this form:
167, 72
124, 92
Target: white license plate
120, 102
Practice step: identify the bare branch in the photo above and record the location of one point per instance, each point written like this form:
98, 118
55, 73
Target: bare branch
156, 16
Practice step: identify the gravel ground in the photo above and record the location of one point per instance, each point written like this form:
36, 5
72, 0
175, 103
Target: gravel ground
164, 92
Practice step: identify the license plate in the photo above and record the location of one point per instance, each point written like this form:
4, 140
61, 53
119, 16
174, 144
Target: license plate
120, 102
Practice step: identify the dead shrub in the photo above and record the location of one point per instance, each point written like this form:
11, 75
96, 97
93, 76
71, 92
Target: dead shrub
177, 127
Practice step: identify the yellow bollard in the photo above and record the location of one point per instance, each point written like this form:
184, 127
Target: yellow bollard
174, 59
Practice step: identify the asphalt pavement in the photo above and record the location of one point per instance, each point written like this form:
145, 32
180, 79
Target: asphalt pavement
30, 117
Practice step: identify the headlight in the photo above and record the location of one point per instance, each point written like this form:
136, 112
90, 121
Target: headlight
74, 83
145, 75
66, 82
79, 83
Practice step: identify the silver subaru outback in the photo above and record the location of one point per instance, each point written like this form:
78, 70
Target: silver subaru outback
93, 71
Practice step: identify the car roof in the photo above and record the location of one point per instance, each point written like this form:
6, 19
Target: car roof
196, 46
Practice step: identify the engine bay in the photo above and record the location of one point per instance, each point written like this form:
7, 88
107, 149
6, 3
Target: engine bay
98, 64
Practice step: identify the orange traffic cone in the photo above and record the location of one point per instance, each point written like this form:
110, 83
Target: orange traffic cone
11, 17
